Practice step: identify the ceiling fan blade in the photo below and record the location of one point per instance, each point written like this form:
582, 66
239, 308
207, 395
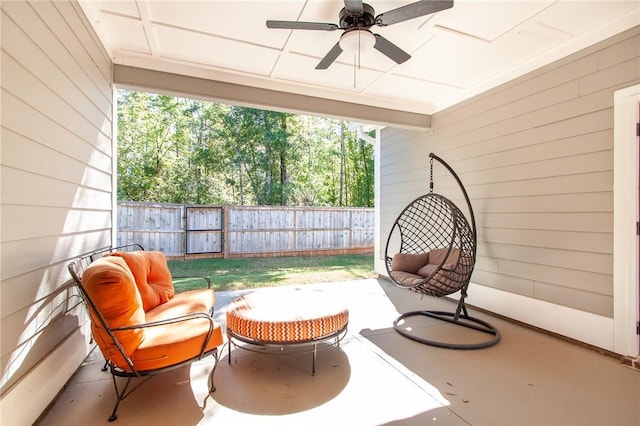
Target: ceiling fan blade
330, 57
354, 6
295, 25
413, 10
391, 50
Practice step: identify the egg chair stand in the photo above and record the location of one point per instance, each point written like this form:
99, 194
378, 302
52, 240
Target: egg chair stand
436, 256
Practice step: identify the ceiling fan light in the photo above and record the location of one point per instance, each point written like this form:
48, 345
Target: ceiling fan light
355, 41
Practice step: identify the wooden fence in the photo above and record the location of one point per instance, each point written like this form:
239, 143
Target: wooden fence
245, 231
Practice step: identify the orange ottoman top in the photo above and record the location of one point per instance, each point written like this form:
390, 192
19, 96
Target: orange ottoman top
286, 316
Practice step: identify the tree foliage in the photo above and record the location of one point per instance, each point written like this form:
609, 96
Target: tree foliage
189, 151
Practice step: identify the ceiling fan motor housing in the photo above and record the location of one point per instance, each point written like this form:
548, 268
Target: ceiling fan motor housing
356, 18
365, 19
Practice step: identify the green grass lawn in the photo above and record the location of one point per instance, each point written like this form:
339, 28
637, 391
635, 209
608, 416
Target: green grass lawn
235, 274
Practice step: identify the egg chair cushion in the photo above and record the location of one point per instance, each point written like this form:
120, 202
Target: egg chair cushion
409, 262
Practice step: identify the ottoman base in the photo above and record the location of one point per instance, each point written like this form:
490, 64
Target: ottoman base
285, 318
242, 342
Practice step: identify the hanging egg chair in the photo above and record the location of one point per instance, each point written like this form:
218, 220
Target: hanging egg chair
431, 250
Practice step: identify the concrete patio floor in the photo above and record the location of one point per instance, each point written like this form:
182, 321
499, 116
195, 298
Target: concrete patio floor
375, 377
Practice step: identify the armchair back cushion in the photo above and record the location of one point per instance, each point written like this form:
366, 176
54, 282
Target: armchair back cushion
152, 276
110, 284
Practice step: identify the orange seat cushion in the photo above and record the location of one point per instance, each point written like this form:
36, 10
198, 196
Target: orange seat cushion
183, 304
176, 342
110, 284
152, 276
286, 316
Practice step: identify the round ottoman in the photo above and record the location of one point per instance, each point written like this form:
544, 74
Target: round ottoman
286, 317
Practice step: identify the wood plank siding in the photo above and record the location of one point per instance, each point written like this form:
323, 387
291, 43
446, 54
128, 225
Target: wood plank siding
536, 157
56, 170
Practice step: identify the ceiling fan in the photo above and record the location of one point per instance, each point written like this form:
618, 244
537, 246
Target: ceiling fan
356, 18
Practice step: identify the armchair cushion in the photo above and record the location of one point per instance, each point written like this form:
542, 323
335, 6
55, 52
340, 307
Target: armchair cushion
152, 276
110, 284
183, 304
172, 343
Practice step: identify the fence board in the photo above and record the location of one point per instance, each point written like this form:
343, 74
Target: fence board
180, 230
204, 231
204, 242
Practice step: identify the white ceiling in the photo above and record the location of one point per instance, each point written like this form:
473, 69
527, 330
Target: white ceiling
456, 53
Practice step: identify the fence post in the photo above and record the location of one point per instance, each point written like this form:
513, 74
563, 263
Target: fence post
185, 228
225, 230
295, 230
350, 227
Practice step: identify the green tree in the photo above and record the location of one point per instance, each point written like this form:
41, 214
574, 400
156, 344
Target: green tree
190, 151
152, 145
258, 142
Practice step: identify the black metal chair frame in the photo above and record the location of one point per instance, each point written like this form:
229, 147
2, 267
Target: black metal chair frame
431, 222
76, 269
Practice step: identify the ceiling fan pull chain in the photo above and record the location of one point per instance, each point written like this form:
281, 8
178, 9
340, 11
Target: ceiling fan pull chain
356, 57
359, 48
354, 70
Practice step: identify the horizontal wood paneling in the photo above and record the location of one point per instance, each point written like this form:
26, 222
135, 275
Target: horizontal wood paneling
37, 190
580, 241
66, 74
56, 165
535, 155
18, 117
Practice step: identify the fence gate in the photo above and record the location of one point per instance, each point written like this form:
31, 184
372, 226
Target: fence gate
203, 229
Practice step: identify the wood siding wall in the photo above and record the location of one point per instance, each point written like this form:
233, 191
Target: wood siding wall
56, 173
536, 156
243, 231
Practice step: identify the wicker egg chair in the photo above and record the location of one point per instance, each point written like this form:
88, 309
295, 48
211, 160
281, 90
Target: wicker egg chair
436, 256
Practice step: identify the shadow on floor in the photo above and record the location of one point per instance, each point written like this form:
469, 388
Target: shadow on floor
279, 381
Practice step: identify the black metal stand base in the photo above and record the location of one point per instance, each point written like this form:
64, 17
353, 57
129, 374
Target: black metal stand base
453, 318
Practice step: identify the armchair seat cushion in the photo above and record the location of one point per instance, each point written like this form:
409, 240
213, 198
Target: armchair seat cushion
167, 344
171, 344
183, 304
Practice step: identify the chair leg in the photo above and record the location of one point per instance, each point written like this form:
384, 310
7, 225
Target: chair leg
119, 397
216, 356
125, 392
313, 364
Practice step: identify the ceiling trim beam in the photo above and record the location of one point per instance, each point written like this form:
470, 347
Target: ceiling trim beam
236, 94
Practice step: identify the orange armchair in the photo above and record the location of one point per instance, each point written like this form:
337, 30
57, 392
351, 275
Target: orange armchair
139, 324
